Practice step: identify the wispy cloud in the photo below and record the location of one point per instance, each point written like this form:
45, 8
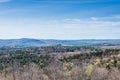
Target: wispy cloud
73, 1
117, 16
69, 28
2, 1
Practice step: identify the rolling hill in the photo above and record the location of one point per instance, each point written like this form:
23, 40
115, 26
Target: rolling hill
27, 42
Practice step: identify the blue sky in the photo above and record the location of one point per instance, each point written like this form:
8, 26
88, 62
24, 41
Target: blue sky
60, 19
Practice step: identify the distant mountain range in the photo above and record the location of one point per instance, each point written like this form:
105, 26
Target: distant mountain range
27, 42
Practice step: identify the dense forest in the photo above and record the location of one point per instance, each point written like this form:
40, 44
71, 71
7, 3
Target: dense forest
59, 63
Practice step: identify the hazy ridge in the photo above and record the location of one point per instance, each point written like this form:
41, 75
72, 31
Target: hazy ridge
26, 42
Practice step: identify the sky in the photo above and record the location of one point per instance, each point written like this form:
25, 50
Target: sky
60, 19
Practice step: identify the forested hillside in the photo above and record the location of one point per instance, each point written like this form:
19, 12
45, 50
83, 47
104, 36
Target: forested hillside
59, 63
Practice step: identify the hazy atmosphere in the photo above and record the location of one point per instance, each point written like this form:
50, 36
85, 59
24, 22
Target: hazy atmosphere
60, 19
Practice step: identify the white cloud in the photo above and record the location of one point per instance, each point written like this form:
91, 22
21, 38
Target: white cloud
1, 1
117, 16
71, 28
94, 18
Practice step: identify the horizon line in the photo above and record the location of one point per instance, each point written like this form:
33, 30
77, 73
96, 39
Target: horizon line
62, 39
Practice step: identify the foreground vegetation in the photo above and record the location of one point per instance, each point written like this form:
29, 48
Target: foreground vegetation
59, 63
